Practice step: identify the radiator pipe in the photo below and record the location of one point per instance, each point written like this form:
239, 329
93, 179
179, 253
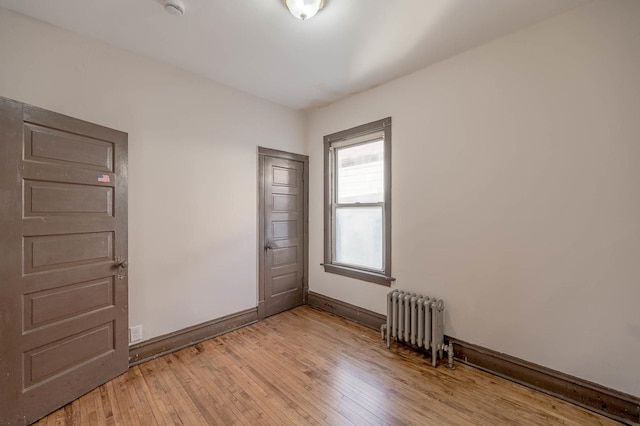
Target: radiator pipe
449, 350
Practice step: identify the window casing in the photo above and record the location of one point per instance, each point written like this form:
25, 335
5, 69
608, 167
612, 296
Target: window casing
358, 202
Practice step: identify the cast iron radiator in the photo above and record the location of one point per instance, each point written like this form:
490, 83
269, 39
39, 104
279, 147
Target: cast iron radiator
418, 321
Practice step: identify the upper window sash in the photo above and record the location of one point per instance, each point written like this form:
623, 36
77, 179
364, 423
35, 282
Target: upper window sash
358, 171
366, 138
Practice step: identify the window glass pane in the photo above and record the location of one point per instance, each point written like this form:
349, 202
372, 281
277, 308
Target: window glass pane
360, 173
359, 237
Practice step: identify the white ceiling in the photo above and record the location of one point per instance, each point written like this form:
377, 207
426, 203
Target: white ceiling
258, 47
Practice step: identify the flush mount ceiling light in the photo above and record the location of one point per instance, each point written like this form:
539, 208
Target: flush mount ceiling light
174, 7
304, 9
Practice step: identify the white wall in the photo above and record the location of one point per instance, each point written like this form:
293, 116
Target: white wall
516, 192
192, 164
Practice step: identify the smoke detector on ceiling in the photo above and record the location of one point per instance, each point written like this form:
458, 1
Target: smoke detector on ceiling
174, 7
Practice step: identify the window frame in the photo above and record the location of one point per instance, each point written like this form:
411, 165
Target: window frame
339, 138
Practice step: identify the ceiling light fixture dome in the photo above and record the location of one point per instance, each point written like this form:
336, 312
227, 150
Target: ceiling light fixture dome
174, 7
304, 9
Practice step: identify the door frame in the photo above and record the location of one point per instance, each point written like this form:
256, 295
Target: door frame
304, 159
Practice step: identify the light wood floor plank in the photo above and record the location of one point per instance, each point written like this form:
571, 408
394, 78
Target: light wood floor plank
308, 367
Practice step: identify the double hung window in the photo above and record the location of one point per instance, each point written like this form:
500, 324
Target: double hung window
358, 202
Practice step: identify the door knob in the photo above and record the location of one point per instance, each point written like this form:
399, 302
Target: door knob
268, 246
122, 263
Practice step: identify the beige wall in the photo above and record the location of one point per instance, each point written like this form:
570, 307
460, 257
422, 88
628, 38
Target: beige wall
515, 176
516, 198
192, 164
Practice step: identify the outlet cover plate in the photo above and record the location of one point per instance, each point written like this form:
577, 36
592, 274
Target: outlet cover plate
135, 333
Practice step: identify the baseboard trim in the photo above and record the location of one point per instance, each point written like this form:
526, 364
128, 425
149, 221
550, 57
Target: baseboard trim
262, 310
602, 400
592, 396
346, 310
168, 343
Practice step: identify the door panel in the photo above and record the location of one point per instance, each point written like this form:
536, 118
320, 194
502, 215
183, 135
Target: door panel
283, 220
63, 297
54, 199
59, 147
44, 253
285, 256
49, 306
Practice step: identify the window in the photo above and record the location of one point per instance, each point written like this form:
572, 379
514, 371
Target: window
357, 185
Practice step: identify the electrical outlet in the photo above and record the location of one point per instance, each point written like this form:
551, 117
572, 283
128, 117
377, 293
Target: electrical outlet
135, 333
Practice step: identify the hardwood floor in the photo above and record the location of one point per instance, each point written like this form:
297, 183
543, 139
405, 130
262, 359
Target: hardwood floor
309, 367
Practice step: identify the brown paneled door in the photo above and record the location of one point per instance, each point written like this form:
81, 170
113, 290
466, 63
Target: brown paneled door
63, 251
283, 234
